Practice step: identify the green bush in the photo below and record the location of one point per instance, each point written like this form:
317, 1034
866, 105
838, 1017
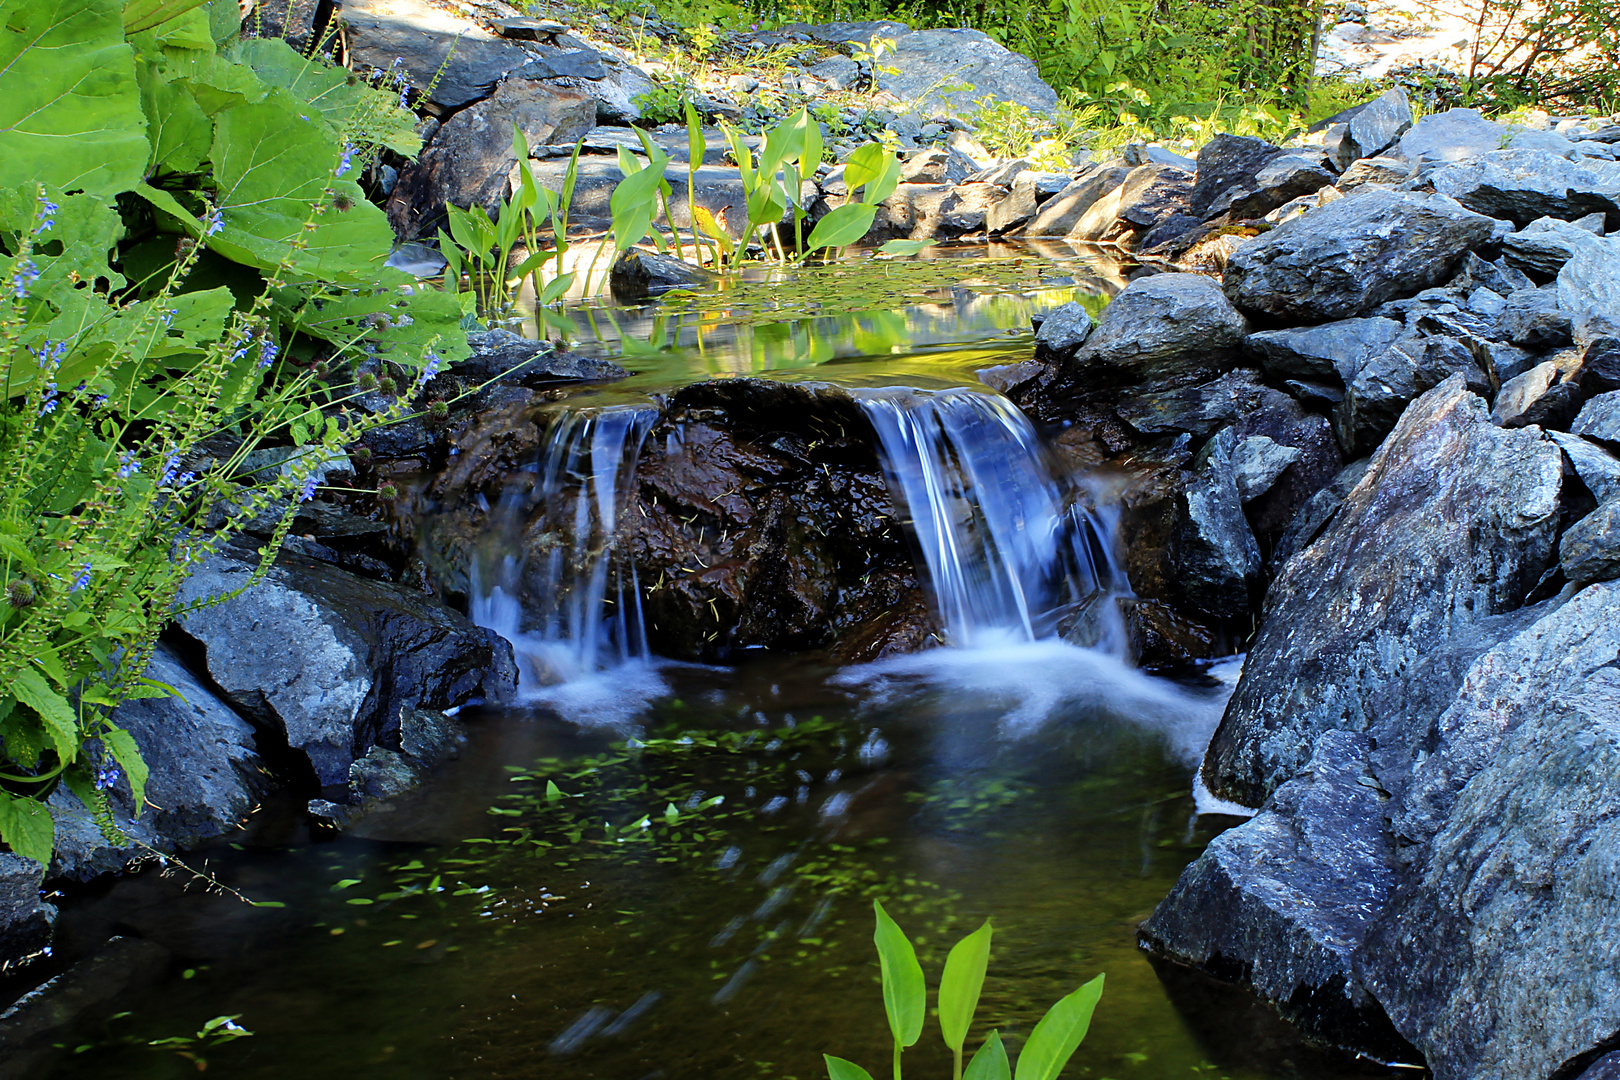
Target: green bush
191, 272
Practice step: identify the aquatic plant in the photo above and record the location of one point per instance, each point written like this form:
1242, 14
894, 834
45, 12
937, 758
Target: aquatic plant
905, 1003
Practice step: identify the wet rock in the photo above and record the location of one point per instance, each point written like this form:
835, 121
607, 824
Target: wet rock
461, 61
1546, 244
1283, 901
949, 70
1523, 185
25, 919
1063, 330
1064, 210
1166, 329
1313, 515
1161, 638
1373, 170
1199, 410
1331, 351
1590, 548
469, 161
1540, 396
1454, 521
1507, 900
81, 992
637, 275
382, 774
511, 358
1453, 135
1599, 418
1018, 206
1598, 469
366, 651
1214, 560
205, 777
1377, 394
1352, 255
1257, 462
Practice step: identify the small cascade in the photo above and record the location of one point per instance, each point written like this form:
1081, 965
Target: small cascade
553, 580
1012, 550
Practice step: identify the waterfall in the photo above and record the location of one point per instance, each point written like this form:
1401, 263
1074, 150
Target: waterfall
1011, 549
554, 580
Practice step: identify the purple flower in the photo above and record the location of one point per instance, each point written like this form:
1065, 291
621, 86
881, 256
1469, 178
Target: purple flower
128, 465
428, 371
47, 402
107, 776
26, 274
267, 353
47, 215
170, 464
167, 317
98, 401
83, 580
345, 161
242, 349
214, 222
310, 483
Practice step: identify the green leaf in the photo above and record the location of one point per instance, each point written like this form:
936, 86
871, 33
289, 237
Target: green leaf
1059, 1033
121, 744
905, 996
865, 165
145, 14
180, 132
26, 825
990, 1063
634, 203
553, 792
61, 722
905, 247
696, 144
839, 1069
959, 987
842, 225
355, 110
70, 108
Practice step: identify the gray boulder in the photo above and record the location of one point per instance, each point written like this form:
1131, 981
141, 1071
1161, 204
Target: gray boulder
1523, 185
637, 275
1287, 898
1200, 410
1453, 135
1063, 330
26, 921
1351, 255
1454, 521
1333, 351
469, 160
1495, 955
205, 776
1314, 514
1533, 318
1377, 393
1167, 329
1212, 553
433, 44
1153, 193
1372, 128
512, 358
1599, 418
929, 66
838, 72
1018, 206
1598, 469
937, 167
330, 660
1257, 462
1546, 244
1590, 549
1225, 178
1589, 290
1063, 211
1374, 170
1539, 396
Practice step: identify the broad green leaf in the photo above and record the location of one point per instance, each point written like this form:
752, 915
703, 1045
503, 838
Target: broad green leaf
959, 987
121, 744
180, 132
634, 204
839, 1069
767, 202
166, 202
61, 722
555, 288
145, 14
70, 108
810, 158
1059, 1033
905, 247
842, 225
696, 144
905, 996
355, 110
865, 165
26, 825
883, 186
990, 1063
553, 792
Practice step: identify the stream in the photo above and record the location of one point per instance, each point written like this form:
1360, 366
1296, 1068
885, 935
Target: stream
649, 869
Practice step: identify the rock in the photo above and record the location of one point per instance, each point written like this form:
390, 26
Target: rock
1533, 319
1152, 194
76, 995
511, 358
522, 28
1315, 513
1500, 277
1063, 331
637, 275
1257, 462
1144, 154
1284, 900
1160, 638
1374, 127
1377, 395
1227, 167
926, 67
937, 167
1213, 555
564, 64
1454, 521
1167, 329
459, 59
367, 650
25, 920
382, 774
1606, 1067
1589, 290
1590, 549
925, 211
1545, 245
1064, 210
1331, 351
1539, 396
838, 72
1453, 135
470, 161
1598, 469
1374, 170
1198, 410
1506, 904
1599, 418
1350, 256
1285, 179
1018, 207
1523, 185
205, 777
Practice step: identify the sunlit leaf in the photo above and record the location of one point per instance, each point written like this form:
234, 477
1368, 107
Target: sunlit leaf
839, 1069
1059, 1033
959, 987
841, 226
990, 1063
905, 995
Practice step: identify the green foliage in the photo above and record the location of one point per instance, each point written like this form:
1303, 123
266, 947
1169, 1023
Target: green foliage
1053, 1042
666, 102
134, 397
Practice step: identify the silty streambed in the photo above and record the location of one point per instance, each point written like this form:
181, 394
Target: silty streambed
685, 890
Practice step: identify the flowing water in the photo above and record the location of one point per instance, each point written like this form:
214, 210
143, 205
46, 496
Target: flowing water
680, 886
